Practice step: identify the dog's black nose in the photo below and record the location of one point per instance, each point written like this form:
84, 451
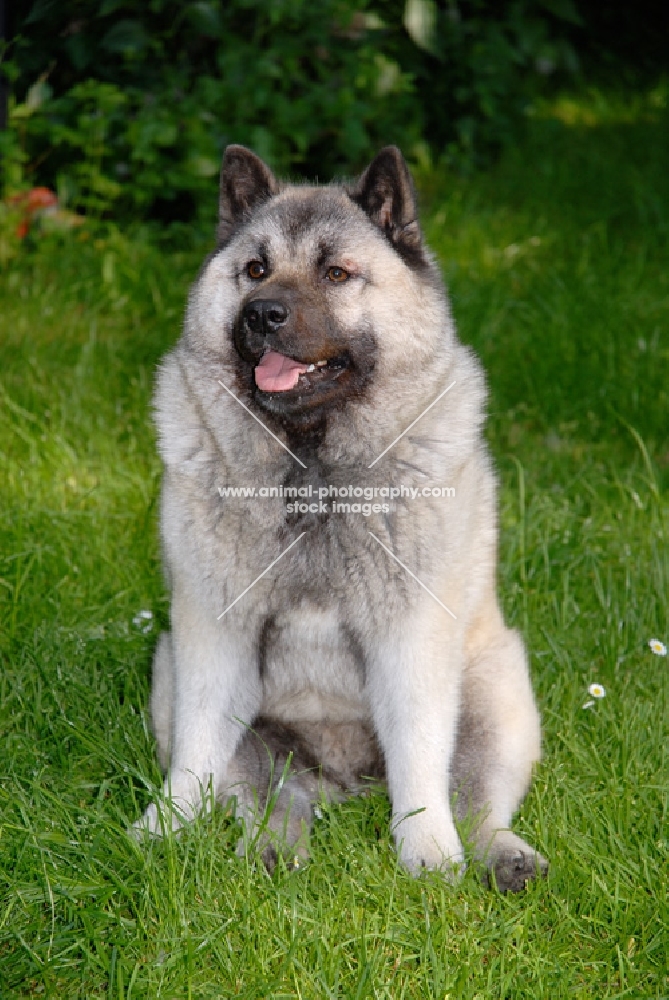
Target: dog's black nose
265, 315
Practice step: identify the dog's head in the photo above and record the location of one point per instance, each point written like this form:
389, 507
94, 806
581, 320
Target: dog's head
314, 277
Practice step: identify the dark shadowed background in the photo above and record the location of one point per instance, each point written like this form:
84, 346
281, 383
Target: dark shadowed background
125, 108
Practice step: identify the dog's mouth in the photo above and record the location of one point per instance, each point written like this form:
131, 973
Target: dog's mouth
277, 373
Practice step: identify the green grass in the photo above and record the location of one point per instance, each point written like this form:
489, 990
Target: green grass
557, 263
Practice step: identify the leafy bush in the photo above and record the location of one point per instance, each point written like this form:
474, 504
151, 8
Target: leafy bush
485, 61
127, 108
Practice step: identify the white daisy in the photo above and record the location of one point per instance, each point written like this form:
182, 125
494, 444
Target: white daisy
657, 647
143, 620
597, 691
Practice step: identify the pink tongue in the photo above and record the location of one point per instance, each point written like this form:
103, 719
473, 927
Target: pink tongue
276, 373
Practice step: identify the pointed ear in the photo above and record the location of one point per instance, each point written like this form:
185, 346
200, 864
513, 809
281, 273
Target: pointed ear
386, 193
245, 182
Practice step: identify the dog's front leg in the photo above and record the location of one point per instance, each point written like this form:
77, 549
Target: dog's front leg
215, 694
414, 687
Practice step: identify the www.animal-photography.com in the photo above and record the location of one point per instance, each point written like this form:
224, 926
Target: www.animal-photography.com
334, 584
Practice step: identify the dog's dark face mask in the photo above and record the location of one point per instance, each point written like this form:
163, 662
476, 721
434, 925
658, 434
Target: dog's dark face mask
302, 363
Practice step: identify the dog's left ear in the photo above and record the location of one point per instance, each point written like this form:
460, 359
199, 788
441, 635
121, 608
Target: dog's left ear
386, 193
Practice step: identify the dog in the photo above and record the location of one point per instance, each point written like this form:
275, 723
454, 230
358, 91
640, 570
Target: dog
319, 643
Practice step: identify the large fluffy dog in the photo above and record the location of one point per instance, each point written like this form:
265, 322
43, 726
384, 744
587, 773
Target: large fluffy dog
317, 350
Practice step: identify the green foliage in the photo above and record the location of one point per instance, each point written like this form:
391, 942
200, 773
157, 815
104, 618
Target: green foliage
127, 108
143, 106
521, 246
477, 64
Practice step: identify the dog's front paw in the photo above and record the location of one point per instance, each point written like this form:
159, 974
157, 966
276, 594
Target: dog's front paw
514, 863
514, 869
150, 824
176, 808
427, 840
160, 820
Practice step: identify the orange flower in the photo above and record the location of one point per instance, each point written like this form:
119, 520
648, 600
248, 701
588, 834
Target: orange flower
30, 203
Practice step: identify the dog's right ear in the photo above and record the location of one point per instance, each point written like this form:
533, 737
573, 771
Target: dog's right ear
245, 182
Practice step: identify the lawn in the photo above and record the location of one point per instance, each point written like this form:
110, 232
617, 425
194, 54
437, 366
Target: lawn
558, 263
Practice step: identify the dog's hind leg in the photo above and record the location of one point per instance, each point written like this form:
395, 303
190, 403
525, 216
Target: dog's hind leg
162, 698
274, 780
281, 771
498, 742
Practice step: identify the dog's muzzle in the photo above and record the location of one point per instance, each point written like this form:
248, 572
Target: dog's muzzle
259, 327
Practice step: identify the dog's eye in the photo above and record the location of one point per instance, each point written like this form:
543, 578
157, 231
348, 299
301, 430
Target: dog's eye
337, 274
256, 269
